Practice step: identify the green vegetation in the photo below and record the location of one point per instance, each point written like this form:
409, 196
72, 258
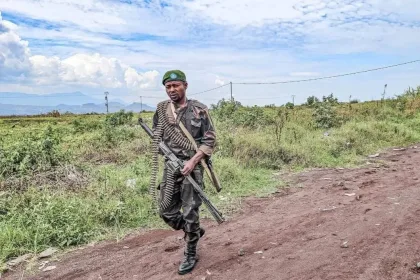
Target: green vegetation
66, 180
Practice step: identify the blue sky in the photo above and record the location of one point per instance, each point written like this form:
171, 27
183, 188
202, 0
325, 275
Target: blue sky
125, 47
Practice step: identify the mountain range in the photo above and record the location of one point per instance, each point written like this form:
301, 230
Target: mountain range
12, 103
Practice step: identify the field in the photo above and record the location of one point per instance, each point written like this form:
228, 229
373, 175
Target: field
72, 179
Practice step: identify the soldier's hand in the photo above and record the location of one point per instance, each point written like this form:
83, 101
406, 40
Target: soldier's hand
188, 167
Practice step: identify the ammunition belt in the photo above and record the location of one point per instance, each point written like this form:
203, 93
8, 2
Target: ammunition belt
164, 126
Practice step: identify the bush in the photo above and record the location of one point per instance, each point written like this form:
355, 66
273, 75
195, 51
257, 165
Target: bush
278, 120
290, 105
81, 126
32, 153
111, 135
54, 113
325, 115
119, 118
224, 109
233, 113
312, 100
330, 99
249, 116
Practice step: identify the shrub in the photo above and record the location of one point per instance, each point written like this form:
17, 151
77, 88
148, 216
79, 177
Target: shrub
312, 100
119, 118
325, 115
80, 126
290, 105
32, 153
249, 116
330, 99
224, 109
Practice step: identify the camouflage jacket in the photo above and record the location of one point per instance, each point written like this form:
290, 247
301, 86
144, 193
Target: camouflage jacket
196, 119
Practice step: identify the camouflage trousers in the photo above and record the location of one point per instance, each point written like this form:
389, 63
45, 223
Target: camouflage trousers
186, 198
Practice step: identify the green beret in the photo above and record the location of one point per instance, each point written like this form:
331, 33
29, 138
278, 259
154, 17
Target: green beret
174, 75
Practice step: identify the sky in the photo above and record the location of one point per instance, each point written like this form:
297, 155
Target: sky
124, 47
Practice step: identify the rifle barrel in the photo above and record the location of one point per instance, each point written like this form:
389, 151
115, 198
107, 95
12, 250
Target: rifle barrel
145, 127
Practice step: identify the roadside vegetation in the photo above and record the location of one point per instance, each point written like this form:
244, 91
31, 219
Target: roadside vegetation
66, 180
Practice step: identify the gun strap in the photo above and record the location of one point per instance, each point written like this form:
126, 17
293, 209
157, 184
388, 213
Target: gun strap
211, 176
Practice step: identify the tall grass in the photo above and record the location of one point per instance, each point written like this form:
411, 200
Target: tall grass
110, 161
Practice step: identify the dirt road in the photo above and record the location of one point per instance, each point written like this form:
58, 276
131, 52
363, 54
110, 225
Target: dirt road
332, 224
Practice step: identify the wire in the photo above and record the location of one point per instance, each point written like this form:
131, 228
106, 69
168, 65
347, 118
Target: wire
56, 96
327, 77
38, 96
252, 83
208, 90
262, 98
155, 97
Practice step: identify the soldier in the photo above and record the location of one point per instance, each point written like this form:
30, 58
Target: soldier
196, 119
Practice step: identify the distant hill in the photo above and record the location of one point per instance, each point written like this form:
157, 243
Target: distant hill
53, 99
77, 103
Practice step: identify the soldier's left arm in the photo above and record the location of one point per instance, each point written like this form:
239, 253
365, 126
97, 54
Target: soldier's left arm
208, 141
206, 145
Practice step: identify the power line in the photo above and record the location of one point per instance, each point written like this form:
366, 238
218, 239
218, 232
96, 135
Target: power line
55, 96
327, 77
39, 95
209, 90
253, 83
153, 97
262, 98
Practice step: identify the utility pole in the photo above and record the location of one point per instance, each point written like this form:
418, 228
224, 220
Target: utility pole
293, 98
350, 102
383, 95
106, 101
141, 103
231, 93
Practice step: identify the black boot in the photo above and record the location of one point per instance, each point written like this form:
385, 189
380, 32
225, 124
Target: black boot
202, 232
190, 259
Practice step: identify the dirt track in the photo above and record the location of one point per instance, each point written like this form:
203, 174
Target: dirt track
300, 234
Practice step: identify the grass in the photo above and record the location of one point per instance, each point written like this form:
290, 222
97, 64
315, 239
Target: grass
69, 180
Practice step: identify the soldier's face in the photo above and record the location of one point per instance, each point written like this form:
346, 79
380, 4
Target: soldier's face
176, 90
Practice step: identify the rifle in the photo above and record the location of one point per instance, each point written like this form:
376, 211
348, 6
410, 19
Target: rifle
175, 164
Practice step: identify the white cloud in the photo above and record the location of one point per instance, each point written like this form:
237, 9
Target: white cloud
99, 16
91, 70
317, 26
14, 51
219, 81
404, 9
243, 12
213, 42
249, 12
139, 80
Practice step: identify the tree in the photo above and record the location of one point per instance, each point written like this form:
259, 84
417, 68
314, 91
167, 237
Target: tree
290, 105
325, 115
330, 99
312, 100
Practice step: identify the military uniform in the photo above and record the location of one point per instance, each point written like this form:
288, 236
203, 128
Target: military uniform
196, 119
